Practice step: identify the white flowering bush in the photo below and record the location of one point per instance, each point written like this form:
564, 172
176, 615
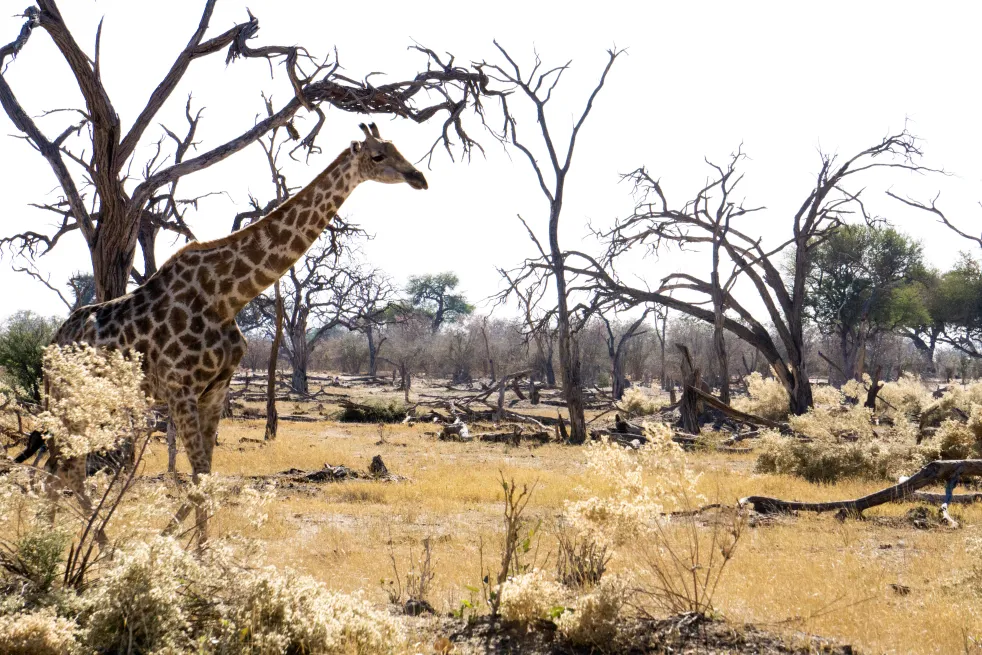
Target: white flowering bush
595, 618
95, 398
643, 482
37, 633
157, 597
528, 597
140, 602
765, 397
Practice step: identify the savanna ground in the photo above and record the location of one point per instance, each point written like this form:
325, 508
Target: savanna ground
888, 583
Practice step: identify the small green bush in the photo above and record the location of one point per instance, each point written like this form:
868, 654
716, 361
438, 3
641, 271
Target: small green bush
391, 412
23, 338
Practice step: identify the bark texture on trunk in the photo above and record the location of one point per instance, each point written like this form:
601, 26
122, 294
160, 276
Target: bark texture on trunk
272, 419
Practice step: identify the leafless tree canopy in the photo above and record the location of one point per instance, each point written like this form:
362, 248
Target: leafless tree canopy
117, 202
715, 218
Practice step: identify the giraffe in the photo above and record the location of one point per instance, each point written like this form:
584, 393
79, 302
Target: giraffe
182, 320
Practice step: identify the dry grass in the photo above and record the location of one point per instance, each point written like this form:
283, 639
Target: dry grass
808, 573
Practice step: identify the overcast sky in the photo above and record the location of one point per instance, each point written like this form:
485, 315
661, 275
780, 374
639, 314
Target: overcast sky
785, 79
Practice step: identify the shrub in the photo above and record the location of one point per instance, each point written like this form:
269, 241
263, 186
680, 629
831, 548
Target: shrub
36, 633
680, 561
140, 603
22, 341
580, 560
594, 618
766, 397
824, 395
826, 460
95, 398
374, 412
36, 559
907, 396
528, 597
157, 597
637, 403
956, 440
829, 424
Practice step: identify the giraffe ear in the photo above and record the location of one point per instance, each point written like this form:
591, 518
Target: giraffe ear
355, 147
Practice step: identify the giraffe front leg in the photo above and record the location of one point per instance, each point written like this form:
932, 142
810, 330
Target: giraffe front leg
187, 419
70, 474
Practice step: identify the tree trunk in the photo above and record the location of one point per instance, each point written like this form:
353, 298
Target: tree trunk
372, 351
272, 419
719, 341
619, 382
689, 409
115, 244
299, 358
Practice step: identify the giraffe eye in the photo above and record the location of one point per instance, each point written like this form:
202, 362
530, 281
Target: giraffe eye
378, 157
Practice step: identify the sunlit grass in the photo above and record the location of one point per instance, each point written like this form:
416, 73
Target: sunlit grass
808, 573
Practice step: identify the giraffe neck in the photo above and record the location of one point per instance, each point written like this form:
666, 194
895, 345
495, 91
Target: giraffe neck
242, 265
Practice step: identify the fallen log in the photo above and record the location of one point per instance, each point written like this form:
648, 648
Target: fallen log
948, 471
737, 414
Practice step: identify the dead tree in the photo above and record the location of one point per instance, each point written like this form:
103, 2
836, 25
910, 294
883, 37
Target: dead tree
97, 165
615, 349
320, 293
535, 88
655, 225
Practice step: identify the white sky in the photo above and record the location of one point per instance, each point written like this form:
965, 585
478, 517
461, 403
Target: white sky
700, 78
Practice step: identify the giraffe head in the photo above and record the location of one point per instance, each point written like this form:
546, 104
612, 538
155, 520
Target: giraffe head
380, 161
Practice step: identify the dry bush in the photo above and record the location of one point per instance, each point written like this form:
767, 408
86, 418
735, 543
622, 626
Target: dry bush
824, 395
152, 595
828, 459
821, 423
907, 396
95, 398
37, 633
855, 390
415, 588
580, 561
956, 439
636, 402
766, 397
595, 618
529, 597
678, 562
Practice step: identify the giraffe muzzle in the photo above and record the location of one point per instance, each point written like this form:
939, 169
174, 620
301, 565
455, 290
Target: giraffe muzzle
416, 180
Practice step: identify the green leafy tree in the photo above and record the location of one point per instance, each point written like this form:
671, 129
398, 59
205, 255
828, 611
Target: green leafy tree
866, 280
22, 341
433, 295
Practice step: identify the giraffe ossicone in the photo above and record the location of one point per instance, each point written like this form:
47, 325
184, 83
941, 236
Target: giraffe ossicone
182, 320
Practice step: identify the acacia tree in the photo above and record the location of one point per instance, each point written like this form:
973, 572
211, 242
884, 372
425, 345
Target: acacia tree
955, 301
655, 224
433, 295
534, 89
93, 158
864, 281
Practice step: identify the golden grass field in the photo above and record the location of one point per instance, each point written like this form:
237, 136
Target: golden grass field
809, 573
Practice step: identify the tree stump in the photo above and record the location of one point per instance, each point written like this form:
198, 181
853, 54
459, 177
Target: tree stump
377, 468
